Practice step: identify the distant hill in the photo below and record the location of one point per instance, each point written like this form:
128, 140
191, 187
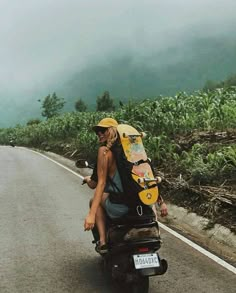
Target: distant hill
183, 68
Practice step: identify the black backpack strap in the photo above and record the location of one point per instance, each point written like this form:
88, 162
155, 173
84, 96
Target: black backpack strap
140, 162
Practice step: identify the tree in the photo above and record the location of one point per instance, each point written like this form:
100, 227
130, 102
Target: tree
33, 121
52, 105
80, 106
105, 103
209, 85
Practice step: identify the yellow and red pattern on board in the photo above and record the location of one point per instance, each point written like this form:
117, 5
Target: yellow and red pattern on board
134, 150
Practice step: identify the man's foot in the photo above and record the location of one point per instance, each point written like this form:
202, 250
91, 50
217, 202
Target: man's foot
102, 249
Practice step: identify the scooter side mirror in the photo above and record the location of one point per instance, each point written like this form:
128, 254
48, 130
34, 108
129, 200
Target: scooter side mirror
81, 163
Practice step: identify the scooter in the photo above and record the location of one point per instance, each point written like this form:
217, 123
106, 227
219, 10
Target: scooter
133, 243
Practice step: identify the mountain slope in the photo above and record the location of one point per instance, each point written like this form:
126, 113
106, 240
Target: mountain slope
183, 68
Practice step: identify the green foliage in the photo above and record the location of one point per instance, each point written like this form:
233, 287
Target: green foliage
52, 105
204, 167
210, 86
87, 145
160, 148
33, 121
164, 120
105, 103
229, 82
183, 113
80, 106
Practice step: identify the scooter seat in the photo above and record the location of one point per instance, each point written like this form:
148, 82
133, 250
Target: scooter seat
135, 217
133, 220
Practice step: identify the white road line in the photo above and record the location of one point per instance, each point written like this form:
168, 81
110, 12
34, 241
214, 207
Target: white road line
199, 248
177, 235
59, 164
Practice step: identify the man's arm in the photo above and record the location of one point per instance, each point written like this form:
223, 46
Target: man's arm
162, 206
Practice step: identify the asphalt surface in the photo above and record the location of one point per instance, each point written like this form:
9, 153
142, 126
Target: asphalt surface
43, 247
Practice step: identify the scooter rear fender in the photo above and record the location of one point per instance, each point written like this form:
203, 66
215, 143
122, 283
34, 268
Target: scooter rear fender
151, 244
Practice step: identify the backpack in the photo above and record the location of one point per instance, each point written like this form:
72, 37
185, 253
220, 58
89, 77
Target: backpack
139, 185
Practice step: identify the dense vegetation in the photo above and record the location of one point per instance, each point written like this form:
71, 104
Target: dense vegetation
174, 126
212, 85
191, 140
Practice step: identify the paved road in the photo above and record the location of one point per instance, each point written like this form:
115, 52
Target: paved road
43, 247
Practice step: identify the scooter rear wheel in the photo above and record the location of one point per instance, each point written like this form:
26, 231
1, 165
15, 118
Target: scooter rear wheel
140, 286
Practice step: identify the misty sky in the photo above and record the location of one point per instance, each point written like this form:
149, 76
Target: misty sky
43, 41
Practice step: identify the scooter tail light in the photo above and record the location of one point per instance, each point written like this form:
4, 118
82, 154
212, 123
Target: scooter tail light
143, 249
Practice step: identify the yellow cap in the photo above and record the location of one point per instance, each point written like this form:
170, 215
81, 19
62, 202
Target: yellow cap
106, 122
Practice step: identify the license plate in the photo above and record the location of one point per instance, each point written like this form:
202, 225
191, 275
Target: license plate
143, 261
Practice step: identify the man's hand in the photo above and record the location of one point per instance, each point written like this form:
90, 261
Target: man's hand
164, 211
86, 179
91, 183
89, 222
